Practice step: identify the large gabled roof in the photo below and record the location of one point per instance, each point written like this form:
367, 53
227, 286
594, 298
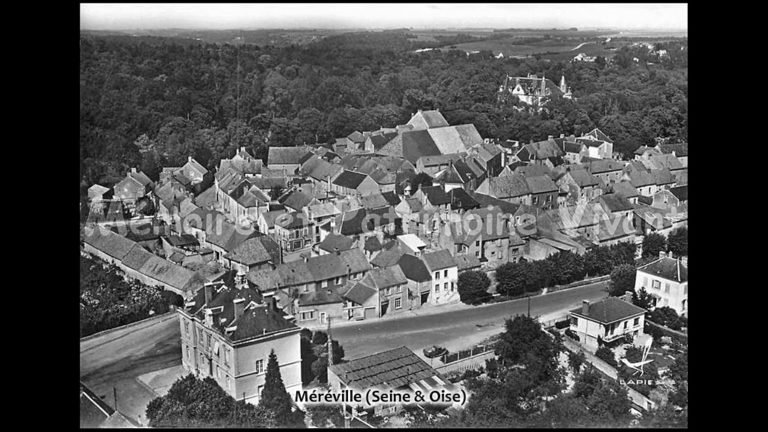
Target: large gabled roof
391, 369
349, 179
256, 250
427, 120
414, 268
609, 310
667, 268
439, 260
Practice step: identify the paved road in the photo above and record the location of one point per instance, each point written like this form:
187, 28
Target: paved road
456, 329
117, 358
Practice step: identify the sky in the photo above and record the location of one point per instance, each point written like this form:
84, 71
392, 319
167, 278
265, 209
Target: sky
134, 16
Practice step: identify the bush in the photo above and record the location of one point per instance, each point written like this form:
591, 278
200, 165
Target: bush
607, 355
571, 334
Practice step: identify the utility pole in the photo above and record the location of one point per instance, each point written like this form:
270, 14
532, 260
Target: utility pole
529, 306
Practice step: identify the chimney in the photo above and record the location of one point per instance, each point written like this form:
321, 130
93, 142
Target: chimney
208, 317
208, 287
585, 307
189, 158
562, 135
239, 306
684, 261
242, 149
549, 137
133, 170
662, 254
627, 297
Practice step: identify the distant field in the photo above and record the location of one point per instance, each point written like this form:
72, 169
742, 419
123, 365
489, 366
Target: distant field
509, 48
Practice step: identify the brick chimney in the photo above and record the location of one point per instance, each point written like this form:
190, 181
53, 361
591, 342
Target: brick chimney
662, 254
239, 307
585, 307
208, 287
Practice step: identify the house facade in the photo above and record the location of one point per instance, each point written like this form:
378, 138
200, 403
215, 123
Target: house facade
607, 321
227, 334
666, 280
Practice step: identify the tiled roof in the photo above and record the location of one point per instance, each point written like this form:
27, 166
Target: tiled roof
439, 260
391, 369
172, 274
256, 250
107, 241
359, 293
615, 202
598, 134
414, 268
296, 200
681, 192
136, 258
416, 144
320, 297
609, 310
603, 165
625, 189
510, 186
374, 201
293, 220
541, 184
388, 257
391, 198
427, 119
436, 195
680, 149
381, 278
333, 242
349, 179
259, 321
487, 200
668, 268
227, 236
583, 178
467, 261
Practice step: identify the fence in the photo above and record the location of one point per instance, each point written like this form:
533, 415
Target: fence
461, 355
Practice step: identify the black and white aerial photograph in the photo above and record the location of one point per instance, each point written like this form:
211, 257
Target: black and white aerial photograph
383, 215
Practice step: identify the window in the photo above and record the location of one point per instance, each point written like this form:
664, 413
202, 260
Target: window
399, 289
453, 286
445, 273
666, 287
259, 366
437, 275
574, 321
226, 358
324, 284
625, 324
535, 200
637, 322
338, 281
645, 281
208, 340
308, 315
397, 303
445, 286
477, 254
437, 288
477, 243
656, 284
186, 327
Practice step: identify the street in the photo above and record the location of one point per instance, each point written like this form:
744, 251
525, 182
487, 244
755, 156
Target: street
117, 358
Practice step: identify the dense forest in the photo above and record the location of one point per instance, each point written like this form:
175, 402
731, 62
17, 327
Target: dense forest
150, 102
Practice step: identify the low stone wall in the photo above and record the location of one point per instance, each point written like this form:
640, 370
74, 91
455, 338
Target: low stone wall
474, 362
